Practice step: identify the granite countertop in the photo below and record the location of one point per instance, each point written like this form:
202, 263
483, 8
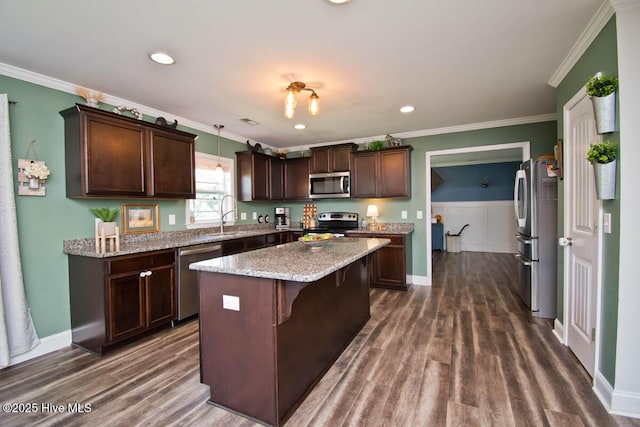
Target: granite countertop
294, 261
137, 243
386, 228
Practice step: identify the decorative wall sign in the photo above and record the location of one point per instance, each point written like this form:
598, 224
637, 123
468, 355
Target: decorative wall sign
32, 175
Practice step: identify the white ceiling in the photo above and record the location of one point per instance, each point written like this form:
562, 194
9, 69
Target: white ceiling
457, 62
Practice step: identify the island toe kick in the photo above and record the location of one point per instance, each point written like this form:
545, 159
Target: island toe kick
264, 342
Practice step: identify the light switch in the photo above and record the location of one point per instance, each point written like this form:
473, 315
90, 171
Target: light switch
255, 216
172, 219
419, 214
229, 302
606, 223
403, 214
243, 216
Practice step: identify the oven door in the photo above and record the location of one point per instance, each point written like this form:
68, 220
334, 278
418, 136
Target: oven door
329, 185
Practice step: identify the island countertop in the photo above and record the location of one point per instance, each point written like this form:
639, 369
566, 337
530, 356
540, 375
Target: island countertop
294, 261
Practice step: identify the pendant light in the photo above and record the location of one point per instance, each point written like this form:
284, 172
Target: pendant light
219, 170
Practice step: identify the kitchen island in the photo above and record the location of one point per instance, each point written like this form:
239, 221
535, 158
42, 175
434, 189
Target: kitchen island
272, 322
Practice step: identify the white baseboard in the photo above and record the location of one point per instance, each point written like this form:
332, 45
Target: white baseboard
558, 330
418, 280
603, 390
624, 403
47, 345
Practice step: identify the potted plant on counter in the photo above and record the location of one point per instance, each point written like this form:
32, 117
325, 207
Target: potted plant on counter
602, 156
107, 216
602, 90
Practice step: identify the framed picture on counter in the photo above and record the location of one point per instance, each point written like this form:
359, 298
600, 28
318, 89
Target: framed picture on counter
140, 218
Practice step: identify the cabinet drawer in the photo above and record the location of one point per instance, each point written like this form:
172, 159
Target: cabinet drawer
140, 262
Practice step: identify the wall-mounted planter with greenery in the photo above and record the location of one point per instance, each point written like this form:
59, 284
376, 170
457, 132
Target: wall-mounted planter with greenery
602, 90
602, 156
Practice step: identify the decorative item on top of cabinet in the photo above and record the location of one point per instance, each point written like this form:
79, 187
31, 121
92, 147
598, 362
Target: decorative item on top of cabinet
112, 156
93, 98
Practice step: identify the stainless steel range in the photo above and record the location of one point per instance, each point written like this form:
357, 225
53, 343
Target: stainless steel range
334, 222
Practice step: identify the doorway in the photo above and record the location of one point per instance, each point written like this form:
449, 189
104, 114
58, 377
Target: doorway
478, 151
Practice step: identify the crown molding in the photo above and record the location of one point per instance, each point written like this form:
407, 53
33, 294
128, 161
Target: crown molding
63, 86
441, 131
597, 23
619, 5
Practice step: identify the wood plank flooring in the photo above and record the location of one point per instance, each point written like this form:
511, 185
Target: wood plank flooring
464, 352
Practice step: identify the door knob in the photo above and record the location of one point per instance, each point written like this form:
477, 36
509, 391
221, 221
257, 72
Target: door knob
565, 241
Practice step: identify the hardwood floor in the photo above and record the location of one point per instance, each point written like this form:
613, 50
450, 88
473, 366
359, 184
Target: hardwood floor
462, 353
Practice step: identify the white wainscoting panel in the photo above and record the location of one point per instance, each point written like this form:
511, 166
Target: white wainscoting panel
492, 224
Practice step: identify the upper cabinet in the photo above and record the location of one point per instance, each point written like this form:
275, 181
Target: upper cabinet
109, 155
332, 158
296, 178
384, 173
259, 176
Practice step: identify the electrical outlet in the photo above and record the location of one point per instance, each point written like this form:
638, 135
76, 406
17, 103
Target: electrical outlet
419, 214
255, 216
403, 214
243, 216
606, 223
172, 219
230, 302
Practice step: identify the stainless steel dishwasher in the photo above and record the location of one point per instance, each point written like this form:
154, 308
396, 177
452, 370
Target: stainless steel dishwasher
187, 280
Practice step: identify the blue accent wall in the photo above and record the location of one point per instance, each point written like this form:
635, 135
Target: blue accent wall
464, 183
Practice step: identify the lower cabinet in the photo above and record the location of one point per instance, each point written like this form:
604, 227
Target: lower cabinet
114, 299
389, 265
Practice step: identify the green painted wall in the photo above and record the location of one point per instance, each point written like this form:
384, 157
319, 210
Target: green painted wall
44, 222
600, 56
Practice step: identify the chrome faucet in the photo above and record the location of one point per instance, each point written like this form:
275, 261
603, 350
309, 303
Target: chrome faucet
223, 213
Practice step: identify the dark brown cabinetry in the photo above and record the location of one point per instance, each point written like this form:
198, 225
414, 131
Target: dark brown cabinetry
234, 246
389, 264
260, 177
333, 158
384, 173
296, 178
114, 299
109, 155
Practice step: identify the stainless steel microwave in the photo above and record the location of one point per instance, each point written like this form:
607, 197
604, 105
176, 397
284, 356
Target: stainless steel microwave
329, 185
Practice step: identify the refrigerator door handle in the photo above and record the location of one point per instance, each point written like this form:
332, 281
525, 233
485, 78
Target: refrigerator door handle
523, 260
523, 240
521, 177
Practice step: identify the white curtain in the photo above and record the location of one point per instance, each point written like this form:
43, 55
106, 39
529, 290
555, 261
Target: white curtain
17, 333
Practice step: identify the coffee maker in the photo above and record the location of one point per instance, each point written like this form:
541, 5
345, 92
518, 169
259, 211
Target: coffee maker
283, 219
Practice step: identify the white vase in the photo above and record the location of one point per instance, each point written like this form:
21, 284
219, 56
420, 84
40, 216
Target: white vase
108, 227
604, 108
605, 175
34, 183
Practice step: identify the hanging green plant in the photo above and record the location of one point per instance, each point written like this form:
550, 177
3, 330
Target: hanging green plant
601, 85
602, 152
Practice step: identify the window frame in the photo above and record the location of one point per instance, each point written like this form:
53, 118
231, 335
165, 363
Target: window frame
229, 167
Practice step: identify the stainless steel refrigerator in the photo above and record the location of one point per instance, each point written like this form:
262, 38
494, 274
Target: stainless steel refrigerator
536, 207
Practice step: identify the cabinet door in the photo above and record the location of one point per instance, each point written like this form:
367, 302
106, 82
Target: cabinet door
296, 179
125, 306
260, 182
341, 159
394, 174
276, 173
363, 175
160, 293
115, 157
172, 166
320, 160
388, 267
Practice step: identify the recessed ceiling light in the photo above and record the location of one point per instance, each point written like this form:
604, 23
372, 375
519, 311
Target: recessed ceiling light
407, 109
338, 1
300, 126
162, 58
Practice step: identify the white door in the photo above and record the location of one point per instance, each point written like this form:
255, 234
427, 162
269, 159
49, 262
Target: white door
581, 231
